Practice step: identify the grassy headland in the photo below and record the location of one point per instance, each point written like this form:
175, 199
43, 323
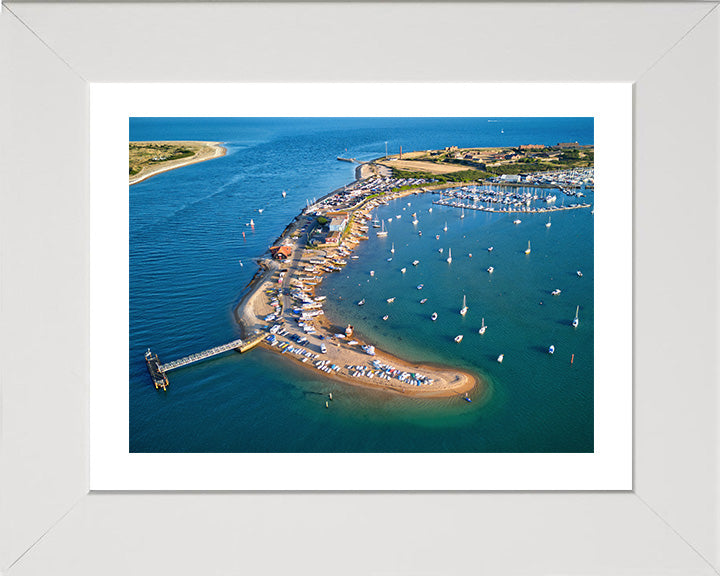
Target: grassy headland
150, 158
472, 164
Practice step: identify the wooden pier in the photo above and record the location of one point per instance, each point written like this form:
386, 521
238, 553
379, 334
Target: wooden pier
158, 371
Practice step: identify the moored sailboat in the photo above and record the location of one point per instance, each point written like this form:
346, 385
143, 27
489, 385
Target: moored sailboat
464, 308
576, 320
382, 232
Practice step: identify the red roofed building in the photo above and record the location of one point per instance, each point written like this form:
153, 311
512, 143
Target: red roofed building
281, 252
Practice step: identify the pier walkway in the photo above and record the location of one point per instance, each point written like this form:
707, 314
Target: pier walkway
180, 362
158, 371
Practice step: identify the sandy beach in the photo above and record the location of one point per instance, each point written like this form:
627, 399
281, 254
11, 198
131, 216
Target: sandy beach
271, 303
209, 151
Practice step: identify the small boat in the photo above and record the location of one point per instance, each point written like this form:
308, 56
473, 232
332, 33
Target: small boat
390, 219
389, 259
434, 316
458, 338
437, 236
398, 216
440, 250
464, 308
490, 270
548, 223
420, 286
419, 232
391, 300
551, 350
382, 233
445, 228
579, 274
501, 358
361, 302
556, 292
527, 250
482, 327
490, 248
467, 398
462, 213
576, 320
416, 262
517, 221
449, 258
429, 209
415, 221
284, 193
372, 272
392, 250
252, 222
260, 210
403, 270
470, 255
386, 317
423, 301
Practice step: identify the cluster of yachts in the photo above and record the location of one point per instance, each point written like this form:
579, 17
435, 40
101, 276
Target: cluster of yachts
513, 197
514, 200
575, 177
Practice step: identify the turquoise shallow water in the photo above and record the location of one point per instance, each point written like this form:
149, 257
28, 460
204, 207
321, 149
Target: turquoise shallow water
185, 278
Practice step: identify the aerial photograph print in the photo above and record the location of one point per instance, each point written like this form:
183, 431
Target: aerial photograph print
361, 285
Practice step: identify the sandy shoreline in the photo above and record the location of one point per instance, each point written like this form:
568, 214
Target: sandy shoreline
210, 151
277, 284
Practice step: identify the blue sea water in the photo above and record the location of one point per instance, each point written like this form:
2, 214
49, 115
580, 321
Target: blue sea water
186, 246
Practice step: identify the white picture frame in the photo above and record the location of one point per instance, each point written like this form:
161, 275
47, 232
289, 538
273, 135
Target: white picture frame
668, 523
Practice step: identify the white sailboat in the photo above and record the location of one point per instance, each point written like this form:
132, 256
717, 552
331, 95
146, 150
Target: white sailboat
458, 338
449, 258
382, 232
445, 228
501, 358
482, 327
527, 251
576, 320
464, 308
462, 212
284, 194
548, 223
392, 250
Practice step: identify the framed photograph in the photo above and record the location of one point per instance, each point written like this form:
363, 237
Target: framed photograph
121, 374
338, 320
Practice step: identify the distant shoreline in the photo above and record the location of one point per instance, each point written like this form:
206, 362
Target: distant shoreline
209, 151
